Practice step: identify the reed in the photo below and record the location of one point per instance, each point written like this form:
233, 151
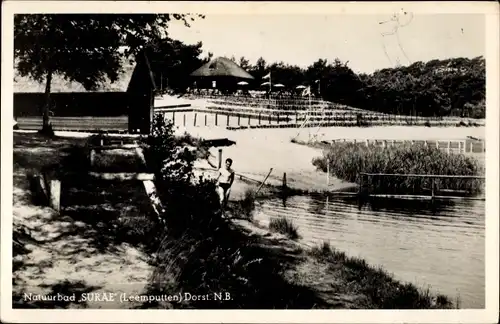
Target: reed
284, 226
348, 160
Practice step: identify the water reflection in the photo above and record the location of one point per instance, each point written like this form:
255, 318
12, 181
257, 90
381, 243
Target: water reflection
436, 243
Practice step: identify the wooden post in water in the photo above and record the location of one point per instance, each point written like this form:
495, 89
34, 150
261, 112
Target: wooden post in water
327, 172
220, 158
227, 120
184, 120
55, 195
194, 122
205, 119
284, 180
216, 118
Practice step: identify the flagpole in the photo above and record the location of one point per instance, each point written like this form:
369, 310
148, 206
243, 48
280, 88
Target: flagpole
270, 84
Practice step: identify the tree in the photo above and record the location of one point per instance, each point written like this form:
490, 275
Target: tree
172, 61
83, 48
244, 63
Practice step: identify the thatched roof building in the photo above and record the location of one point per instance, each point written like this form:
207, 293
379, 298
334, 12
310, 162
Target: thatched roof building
220, 73
222, 67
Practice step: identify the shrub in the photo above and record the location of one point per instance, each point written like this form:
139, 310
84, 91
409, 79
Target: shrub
284, 226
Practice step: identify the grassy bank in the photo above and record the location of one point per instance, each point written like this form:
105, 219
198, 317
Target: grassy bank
197, 252
348, 160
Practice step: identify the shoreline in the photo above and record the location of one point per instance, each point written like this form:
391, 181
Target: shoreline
337, 271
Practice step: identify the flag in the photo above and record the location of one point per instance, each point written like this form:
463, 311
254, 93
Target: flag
307, 91
267, 76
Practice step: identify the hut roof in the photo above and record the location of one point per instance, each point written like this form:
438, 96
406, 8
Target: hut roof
24, 84
221, 66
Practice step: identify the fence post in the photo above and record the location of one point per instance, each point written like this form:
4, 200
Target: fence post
448, 147
249, 123
471, 150
55, 194
220, 158
269, 118
432, 184
173, 118
239, 116
278, 119
259, 117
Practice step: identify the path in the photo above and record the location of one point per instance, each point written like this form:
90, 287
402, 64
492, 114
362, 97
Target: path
77, 251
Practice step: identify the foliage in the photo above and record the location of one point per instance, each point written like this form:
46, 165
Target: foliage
284, 226
347, 160
171, 163
173, 61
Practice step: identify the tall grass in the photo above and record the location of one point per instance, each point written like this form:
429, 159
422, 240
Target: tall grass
380, 288
284, 226
348, 160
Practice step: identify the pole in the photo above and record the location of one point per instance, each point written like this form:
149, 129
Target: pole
220, 158
55, 194
262, 184
195, 115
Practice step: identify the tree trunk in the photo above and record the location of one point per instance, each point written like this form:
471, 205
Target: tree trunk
46, 127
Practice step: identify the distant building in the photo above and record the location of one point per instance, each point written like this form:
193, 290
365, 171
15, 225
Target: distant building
220, 73
131, 95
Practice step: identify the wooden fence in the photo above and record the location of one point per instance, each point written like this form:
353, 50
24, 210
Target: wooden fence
421, 186
449, 146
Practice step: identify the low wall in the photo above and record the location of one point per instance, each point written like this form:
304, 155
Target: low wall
73, 104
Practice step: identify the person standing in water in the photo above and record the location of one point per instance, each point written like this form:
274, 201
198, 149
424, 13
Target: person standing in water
224, 182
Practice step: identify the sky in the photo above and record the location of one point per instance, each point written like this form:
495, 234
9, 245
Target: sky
360, 39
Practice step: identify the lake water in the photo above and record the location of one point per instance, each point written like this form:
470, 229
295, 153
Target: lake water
440, 246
